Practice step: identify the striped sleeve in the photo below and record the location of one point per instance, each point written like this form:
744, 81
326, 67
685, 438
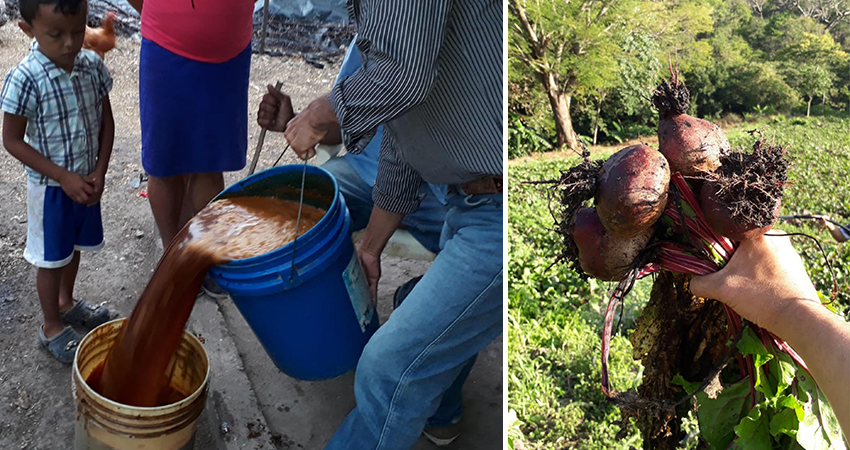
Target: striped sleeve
397, 185
399, 43
19, 95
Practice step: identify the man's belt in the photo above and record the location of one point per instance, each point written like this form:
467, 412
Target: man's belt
486, 185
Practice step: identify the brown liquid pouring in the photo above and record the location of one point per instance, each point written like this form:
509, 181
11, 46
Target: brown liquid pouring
235, 228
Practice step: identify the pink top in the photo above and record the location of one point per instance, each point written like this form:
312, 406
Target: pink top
211, 31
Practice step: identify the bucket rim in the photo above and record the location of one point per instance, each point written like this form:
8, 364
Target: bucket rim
309, 234
91, 392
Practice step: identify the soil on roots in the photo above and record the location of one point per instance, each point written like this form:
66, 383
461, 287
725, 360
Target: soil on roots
677, 333
671, 98
576, 186
751, 185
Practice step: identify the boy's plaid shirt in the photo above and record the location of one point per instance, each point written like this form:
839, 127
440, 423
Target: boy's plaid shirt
64, 110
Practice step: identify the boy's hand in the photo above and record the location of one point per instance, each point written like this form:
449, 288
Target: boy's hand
275, 110
99, 182
79, 188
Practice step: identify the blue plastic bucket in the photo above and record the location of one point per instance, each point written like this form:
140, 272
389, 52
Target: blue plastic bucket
315, 320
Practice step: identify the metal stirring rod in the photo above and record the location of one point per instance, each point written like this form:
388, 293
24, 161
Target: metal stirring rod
261, 140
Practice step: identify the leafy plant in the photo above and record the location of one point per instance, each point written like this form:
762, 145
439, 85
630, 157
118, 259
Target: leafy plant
523, 141
555, 318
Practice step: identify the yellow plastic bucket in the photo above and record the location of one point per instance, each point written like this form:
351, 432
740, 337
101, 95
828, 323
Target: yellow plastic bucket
102, 424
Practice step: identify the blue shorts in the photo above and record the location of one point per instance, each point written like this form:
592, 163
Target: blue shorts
57, 226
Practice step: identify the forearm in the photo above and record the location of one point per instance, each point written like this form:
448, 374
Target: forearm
837, 234
382, 225
334, 136
106, 139
822, 339
30, 157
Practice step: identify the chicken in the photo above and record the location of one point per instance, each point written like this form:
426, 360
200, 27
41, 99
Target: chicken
101, 40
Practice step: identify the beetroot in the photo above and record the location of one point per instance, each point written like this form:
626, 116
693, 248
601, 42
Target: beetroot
632, 190
744, 196
720, 216
602, 254
692, 146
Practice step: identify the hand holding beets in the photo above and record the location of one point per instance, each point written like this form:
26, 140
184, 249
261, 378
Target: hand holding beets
764, 275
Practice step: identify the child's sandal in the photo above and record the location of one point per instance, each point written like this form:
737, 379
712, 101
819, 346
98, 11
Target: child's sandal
62, 346
86, 315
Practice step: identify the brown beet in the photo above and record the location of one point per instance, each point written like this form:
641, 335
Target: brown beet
692, 146
632, 190
604, 255
719, 217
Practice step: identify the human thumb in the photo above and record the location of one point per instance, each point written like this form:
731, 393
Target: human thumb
277, 94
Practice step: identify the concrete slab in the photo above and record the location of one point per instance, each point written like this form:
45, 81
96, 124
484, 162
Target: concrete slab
232, 419
305, 414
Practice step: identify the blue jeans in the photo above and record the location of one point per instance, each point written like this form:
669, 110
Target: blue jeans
425, 224
412, 363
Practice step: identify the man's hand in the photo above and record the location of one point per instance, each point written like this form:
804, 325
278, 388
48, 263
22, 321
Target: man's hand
836, 232
381, 226
763, 277
275, 110
79, 188
371, 263
310, 126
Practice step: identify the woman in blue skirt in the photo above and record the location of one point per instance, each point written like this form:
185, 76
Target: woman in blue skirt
193, 90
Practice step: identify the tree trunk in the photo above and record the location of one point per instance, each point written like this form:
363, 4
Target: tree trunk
809, 107
596, 121
560, 103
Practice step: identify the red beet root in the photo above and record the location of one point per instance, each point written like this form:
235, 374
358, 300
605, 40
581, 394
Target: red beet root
719, 217
632, 190
743, 199
692, 146
602, 254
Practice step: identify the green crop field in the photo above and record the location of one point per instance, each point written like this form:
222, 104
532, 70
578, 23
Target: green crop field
555, 318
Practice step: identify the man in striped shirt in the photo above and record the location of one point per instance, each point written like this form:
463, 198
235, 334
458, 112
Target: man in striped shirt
432, 75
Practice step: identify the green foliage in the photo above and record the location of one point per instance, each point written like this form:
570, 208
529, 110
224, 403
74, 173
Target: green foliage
555, 318
734, 56
554, 326
789, 413
523, 140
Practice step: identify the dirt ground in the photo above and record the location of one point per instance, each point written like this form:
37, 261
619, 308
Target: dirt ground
35, 400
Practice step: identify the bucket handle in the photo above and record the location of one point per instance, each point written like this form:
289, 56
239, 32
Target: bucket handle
293, 271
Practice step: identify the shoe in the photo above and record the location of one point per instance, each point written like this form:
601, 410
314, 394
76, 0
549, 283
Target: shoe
62, 346
404, 290
442, 436
85, 315
213, 289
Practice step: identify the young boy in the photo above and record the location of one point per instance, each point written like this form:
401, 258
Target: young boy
58, 122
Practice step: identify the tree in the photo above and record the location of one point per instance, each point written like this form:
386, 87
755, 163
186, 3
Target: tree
811, 64
827, 12
569, 48
812, 80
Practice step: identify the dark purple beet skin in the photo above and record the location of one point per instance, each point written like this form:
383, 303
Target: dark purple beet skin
719, 217
692, 146
604, 255
632, 190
